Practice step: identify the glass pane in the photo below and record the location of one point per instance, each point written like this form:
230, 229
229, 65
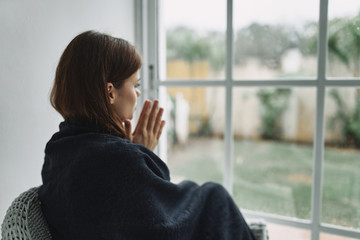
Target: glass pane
281, 232
344, 38
325, 236
341, 191
195, 130
273, 130
280, 43
195, 39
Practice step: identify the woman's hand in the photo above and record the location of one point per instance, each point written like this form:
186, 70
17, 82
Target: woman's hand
149, 127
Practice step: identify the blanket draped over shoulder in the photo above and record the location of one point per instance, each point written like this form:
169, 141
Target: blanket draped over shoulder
100, 186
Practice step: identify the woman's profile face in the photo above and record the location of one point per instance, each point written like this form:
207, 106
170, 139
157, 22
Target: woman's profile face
123, 100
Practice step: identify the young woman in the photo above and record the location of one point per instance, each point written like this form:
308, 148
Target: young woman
100, 179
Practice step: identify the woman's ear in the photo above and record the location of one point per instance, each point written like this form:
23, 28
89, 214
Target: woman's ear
111, 92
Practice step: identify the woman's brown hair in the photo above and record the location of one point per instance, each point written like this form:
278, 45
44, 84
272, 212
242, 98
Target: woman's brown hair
89, 62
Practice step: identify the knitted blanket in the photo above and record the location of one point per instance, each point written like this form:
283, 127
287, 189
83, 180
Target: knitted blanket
100, 186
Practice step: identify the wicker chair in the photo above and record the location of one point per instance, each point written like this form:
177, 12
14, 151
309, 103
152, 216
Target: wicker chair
24, 219
259, 229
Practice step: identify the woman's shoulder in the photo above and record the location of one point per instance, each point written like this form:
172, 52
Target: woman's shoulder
116, 143
89, 147
116, 152
88, 140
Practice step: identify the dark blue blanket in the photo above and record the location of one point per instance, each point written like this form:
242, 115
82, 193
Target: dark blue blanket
99, 186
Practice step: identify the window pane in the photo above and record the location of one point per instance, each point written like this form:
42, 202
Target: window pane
341, 191
344, 38
273, 149
195, 39
281, 232
195, 129
280, 43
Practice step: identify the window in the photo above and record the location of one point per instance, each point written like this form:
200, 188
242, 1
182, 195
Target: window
264, 100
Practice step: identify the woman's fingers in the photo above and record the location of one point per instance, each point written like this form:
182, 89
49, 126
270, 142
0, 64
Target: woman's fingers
158, 121
149, 127
153, 116
143, 119
162, 124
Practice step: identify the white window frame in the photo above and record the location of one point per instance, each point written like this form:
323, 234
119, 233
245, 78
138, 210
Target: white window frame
147, 41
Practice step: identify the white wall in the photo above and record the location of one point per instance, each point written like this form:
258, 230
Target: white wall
33, 35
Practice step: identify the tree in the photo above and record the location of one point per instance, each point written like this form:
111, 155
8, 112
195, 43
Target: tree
265, 42
307, 39
344, 42
184, 43
191, 46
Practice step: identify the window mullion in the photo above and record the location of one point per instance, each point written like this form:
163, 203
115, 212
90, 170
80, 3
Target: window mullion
152, 50
228, 170
318, 163
319, 123
141, 42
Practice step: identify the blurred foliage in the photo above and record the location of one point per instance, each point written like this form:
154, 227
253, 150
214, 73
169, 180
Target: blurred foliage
348, 120
187, 44
268, 43
205, 129
307, 39
344, 42
273, 104
265, 42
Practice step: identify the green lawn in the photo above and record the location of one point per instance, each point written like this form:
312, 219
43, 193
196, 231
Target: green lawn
276, 177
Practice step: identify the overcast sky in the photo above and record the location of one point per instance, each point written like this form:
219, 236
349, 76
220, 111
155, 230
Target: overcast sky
211, 14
